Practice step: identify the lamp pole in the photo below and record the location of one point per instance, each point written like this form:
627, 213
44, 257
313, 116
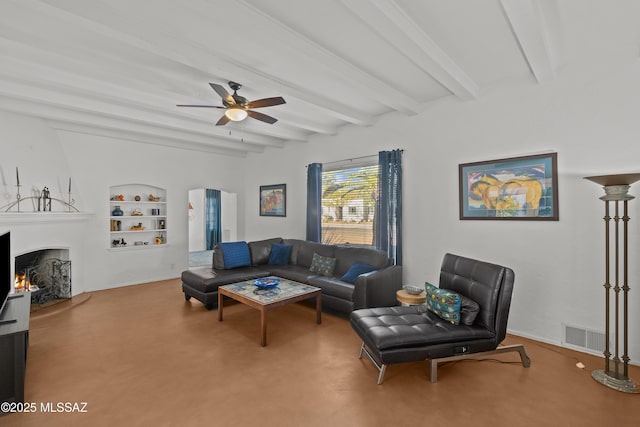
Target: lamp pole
616, 188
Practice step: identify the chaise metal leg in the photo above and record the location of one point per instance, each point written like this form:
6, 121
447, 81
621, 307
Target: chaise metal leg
433, 363
382, 368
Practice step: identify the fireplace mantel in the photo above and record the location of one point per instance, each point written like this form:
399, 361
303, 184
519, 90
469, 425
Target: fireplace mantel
8, 218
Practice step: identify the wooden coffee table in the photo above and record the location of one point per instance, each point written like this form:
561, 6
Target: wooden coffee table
285, 293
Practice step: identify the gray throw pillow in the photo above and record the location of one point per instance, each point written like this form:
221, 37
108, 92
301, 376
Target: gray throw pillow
469, 310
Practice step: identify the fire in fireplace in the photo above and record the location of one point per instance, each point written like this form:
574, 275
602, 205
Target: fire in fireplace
45, 273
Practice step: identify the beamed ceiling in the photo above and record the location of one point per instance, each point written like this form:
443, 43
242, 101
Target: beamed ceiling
119, 67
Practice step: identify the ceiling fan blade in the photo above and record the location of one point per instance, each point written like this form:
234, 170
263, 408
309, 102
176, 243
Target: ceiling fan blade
204, 106
266, 102
223, 121
262, 117
223, 93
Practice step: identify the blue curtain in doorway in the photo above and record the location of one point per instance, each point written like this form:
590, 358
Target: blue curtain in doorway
212, 223
389, 207
314, 202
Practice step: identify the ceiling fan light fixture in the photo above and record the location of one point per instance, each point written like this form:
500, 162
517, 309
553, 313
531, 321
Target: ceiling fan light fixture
236, 114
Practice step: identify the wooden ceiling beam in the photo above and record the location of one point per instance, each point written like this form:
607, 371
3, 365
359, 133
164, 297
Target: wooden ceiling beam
413, 42
530, 28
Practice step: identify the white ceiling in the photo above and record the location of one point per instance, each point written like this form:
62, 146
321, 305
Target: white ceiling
119, 67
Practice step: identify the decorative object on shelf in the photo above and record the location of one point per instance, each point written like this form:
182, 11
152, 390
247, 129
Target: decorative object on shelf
44, 201
155, 211
153, 198
18, 197
273, 200
117, 211
413, 290
161, 224
266, 282
616, 188
517, 188
137, 227
114, 225
136, 212
137, 198
41, 202
159, 240
118, 243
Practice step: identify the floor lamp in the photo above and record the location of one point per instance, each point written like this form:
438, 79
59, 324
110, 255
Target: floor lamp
616, 372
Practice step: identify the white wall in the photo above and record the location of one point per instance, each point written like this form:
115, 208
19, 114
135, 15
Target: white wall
95, 163
197, 238
590, 120
229, 216
228, 219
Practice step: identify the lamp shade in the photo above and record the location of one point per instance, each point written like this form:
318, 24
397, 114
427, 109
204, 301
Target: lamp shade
619, 179
236, 114
616, 187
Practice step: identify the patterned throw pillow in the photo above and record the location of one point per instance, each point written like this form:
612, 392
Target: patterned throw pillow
445, 304
322, 265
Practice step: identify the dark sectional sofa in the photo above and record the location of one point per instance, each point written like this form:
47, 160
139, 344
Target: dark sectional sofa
372, 289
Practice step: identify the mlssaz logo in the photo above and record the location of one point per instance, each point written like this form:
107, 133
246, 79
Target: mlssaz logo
80, 407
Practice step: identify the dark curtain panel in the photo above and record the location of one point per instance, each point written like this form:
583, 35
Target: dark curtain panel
212, 224
388, 227
314, 202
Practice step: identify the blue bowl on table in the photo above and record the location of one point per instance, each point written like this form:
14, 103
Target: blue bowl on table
266, 282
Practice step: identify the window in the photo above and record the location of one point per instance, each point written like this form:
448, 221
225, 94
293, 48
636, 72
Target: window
348, 205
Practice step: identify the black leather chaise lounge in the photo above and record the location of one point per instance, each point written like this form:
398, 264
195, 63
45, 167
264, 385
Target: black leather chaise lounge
408, 334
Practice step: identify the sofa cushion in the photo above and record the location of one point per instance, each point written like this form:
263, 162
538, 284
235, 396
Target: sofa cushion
469, 310
235, 254
356, 269
218, 260
296, 273
323, 265
280, 254
333, 287
401, 327
261, 250
307, 249
296, 244
207, 280
444, 303
347, 255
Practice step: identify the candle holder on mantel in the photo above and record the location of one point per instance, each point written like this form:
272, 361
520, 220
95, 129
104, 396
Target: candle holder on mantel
616, 372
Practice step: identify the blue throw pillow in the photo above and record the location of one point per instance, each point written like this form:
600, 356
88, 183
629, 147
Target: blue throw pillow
235, 254
356, 269
445, 304
280, 254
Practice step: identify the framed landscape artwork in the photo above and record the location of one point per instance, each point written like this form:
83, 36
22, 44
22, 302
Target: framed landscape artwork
517, 188
273, 200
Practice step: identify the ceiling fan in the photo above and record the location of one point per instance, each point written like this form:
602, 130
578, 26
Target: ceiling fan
238, 107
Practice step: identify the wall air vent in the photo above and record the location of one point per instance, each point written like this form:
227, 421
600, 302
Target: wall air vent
584, 338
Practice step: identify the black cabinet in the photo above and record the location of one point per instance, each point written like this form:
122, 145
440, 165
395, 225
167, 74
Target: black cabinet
14, 340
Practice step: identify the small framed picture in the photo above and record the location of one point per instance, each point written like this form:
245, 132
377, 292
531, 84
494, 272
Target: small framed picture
273, 200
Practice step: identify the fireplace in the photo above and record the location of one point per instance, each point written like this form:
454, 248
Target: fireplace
46, 273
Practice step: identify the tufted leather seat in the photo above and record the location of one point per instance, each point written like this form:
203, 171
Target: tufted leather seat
408, 334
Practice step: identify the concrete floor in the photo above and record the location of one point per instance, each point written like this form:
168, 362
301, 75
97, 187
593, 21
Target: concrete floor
143, 356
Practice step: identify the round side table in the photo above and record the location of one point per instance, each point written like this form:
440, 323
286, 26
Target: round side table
406, 299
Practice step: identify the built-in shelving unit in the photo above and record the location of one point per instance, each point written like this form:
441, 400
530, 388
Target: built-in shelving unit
143, 222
